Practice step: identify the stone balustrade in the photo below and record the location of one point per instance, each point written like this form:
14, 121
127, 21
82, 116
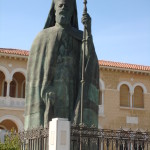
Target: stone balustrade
11, 102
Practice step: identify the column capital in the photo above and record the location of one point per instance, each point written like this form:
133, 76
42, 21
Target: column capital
131, 92
8, 81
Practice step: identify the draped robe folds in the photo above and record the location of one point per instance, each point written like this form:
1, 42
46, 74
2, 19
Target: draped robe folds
47, 73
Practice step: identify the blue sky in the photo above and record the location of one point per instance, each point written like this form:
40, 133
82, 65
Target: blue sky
121, 28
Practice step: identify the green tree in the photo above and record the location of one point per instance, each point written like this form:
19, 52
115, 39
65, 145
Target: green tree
12, 141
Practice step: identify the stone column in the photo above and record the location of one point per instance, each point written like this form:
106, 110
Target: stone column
8, 88
59, 134
131, 95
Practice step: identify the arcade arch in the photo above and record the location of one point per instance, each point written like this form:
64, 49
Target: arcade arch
12, 84
16, 86
9, 125
6, 72
131, 96
13, 121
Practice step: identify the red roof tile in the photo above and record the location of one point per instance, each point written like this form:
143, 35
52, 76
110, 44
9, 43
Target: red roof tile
101, 62
14, 51
123, 65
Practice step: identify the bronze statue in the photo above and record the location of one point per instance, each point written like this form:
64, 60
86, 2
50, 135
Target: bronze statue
53, 87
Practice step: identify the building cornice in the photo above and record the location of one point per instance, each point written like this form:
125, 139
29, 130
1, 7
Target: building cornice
14, 56
133, 71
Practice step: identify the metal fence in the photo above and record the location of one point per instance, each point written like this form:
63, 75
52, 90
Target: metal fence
35, 139
85, 138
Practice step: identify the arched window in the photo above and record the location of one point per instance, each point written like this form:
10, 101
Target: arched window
124, 96
9, 124
138, 98
20, 79
13, 87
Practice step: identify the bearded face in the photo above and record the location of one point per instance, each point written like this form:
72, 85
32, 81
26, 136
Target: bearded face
63, 12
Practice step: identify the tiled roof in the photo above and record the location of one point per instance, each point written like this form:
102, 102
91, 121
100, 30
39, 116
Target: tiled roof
123, 65
101, 62
14, 51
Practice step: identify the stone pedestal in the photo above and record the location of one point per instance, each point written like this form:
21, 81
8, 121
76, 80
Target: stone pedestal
59, 134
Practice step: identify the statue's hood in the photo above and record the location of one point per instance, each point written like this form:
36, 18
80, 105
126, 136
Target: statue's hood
51, 16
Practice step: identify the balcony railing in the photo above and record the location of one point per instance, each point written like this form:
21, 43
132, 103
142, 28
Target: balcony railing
11, 102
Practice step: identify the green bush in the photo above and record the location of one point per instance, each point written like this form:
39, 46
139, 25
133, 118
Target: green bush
12, 142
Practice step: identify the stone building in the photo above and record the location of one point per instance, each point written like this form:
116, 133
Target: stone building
12, 89
124, 95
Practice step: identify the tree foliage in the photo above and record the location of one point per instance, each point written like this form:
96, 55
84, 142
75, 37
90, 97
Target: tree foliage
12, 141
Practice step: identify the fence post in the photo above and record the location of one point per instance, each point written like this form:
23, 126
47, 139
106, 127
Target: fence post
59, 134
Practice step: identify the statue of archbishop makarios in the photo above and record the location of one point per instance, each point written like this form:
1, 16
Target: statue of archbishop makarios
53, 85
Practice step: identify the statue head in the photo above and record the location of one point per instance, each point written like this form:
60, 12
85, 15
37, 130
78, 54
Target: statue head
62, 12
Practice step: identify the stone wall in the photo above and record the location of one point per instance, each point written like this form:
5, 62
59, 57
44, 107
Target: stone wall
114, 115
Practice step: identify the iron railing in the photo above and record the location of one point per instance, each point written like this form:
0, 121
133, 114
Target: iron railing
101, 139
85, 138
35, 139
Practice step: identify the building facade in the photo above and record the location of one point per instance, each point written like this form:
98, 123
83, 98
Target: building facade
125, 96
12, 89
124, 93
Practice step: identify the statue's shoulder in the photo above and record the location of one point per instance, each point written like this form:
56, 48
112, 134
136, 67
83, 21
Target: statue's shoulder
43, 36
52, 31
78, 34
46, 32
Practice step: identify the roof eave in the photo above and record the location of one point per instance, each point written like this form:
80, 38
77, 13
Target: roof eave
14, 55
125, 69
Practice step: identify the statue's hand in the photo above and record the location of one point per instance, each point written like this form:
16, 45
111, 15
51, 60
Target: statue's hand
86, 20
50, 98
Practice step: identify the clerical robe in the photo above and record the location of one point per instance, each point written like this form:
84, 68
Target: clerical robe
54, 67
